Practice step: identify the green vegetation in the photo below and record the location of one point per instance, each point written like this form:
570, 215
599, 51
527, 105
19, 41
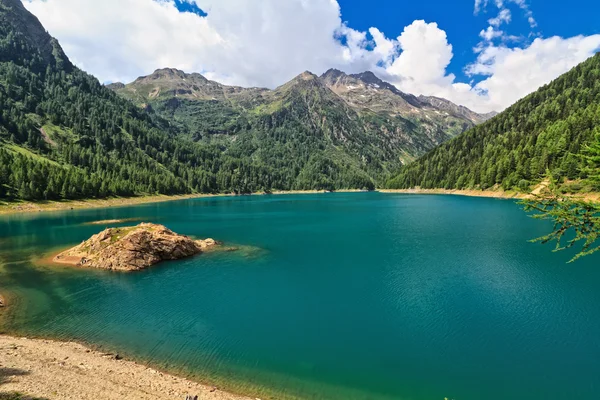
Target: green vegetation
315, 137
65, 136
578, 220
545, 131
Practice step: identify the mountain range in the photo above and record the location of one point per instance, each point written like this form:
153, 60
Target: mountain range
63, 135
408, 125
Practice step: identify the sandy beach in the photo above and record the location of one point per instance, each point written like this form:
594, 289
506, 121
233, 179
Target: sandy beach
498, 194
47, 369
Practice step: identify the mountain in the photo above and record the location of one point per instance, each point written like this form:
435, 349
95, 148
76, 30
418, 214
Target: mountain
546, 131
367, 91
393, 127
64, 135
454, 109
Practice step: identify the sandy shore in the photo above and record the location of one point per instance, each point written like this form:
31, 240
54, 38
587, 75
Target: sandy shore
498, 194
18, 207
55, 370
30, 207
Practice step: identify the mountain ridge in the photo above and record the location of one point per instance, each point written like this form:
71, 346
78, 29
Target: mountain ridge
331, 78
375, 107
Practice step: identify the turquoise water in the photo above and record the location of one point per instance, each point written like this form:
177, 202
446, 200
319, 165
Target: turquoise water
336, 296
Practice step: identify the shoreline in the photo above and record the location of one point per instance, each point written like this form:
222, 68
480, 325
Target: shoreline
496, 194
24, 207
69, 370
29, 207
593, 197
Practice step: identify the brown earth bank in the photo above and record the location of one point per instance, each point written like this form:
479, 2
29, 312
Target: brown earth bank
499, 193
46, 369
472, 193
132, 248
20, 207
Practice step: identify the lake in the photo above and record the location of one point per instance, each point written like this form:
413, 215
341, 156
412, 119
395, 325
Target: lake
330, 296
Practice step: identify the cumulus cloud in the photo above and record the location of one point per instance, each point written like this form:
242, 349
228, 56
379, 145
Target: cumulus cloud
241, 43
238, 41
514, 72
508, 73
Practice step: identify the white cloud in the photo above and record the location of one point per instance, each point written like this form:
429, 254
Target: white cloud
243, 43
490, 33
513, 73
504, 16
239, 41
481, 5
510, 73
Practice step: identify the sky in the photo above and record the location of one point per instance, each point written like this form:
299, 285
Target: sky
483, 54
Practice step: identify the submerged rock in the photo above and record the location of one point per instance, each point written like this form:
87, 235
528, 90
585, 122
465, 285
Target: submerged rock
133, 248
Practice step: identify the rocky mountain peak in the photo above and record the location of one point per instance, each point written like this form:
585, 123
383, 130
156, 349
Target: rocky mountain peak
368, 77
306, 76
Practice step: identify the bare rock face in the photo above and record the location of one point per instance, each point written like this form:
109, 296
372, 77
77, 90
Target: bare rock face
133, 248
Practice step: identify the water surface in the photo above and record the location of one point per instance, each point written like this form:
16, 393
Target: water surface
336, 296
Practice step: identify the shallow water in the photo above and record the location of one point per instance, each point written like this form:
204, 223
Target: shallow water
336, 296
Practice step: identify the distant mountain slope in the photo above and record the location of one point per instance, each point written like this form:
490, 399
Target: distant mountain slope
367, 91
368, 117
443, 104
546, 130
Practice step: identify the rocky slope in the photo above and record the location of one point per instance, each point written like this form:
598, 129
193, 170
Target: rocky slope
448, 106
132, 248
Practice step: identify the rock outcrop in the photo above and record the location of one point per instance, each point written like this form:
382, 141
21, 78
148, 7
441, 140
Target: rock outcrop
133, 248
2, 301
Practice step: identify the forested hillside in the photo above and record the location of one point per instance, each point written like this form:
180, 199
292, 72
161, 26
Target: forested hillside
546, 131
63, 135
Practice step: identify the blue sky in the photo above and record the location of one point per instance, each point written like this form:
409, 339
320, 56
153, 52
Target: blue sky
457, 18
485, 60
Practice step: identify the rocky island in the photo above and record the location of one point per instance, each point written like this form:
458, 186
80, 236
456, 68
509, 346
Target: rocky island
133, 248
